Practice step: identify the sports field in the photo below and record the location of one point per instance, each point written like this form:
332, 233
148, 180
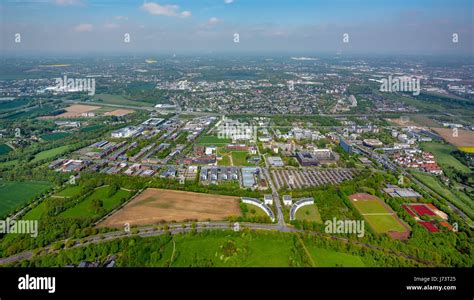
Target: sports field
14, 194
212, 140
381, 218
155, 205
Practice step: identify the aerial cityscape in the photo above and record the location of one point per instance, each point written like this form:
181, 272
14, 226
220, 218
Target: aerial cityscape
234, 134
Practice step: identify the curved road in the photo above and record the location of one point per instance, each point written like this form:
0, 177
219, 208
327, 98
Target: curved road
177, 228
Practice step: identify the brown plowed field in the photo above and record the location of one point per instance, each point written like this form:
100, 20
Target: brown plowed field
156, 205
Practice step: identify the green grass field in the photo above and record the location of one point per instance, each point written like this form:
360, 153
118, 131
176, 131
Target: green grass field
4, 149
14, 194
239, 158
54, 136
309, 213
380, 221
262, 251
369, 207
70, 191
255, 211
328, 258
443, 157
225, 161
384, 223
37, 212
118, 100
213, 140
51, 153
83, 208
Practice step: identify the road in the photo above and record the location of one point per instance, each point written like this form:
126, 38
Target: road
276, 197
177, 228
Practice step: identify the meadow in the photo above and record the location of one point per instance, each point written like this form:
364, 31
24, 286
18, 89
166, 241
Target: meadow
14, 194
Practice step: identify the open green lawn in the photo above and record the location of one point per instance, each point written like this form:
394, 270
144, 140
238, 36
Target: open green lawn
329, 258
213, 140
70, 191
255, 211
265, 250
239, 158
37, 212
4, 149
225, 161
461, 200
443, 157
384, 223
54, 136
83, 208
118, 100
14, 194
309, 213
51, 153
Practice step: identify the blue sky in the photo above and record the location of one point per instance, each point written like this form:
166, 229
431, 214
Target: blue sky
374, 26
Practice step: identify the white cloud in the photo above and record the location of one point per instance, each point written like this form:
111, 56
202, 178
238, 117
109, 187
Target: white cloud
228, 1
213, 21
83, 27
68, 2
121, 18
111, 25
164, 10
185, 14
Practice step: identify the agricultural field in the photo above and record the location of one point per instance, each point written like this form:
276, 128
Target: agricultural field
443, 157
86, 208
118, 100
54, 136
309, 213
380, 216
155, 205
4, 149
51, 153
74, 111
464, 138
14, 194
